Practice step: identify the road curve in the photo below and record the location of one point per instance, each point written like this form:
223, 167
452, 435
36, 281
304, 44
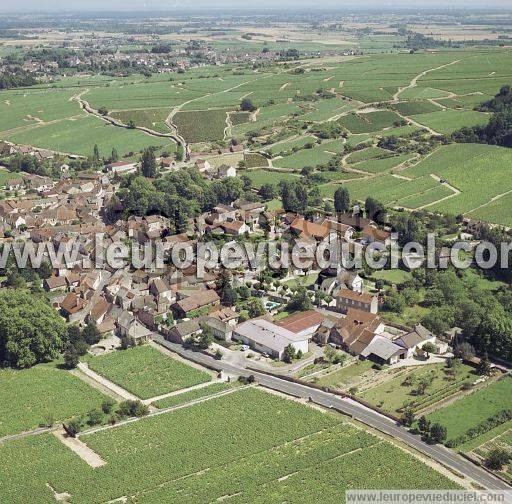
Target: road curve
359, 412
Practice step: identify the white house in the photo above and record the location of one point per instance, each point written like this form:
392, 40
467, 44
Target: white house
226, 171
415, 339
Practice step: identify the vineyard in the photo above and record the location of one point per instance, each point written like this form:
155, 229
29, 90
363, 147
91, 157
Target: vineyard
40, 395
247, 445
201, 125
146, 372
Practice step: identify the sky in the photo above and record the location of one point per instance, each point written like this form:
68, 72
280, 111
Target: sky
177, 5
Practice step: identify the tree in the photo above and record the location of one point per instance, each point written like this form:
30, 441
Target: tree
247, 105
341, 200
423, 425
407, 418
71, 358
148, 163
437, 433
464, 351
422, 385
132, 408
90, 334
45, 270
114, 156
96, 160
394, 302
73, 427
484, 368
289, 353
429, 348
300, 301
107, 405
94, 417
255, 307
497, 458
205, 339
31, 331
267, 192
375, 210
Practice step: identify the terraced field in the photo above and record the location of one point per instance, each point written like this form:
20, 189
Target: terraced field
246, 445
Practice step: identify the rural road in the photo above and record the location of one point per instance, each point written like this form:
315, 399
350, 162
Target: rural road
359, 412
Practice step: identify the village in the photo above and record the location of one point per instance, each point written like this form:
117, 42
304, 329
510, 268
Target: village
130, 306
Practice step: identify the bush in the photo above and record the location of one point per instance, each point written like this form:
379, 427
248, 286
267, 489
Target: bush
107, 406
94, 417
132, 408
498, 458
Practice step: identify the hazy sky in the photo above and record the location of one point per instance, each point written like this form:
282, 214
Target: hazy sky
170, 5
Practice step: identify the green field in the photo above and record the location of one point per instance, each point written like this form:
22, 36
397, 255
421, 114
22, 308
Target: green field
79, 136
255, 160
201, 125
250, 445
380, 165
469, 411
260, 177
478, 171
448, 121
42, 394
345, 376
409, 108
153, 119
194, 394
146, 372
368, 122
369, 153
397, 393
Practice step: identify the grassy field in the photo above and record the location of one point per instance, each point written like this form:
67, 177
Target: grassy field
249, 445
79, 137
146, 372
150, 118
380, 165
260, 177
42, 394
409, 108
366, 154
400, 391
6, 175
255, 160
201, 125
469, 411
395, 276
345, 376
368, 122
448, 121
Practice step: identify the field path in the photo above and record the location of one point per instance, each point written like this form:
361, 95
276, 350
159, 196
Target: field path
414, 81
77, 446
456, 192
120, 391
497, 197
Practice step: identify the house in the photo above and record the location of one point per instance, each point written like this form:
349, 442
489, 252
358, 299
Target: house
202, 165
305, 229
344, 230
304, 324
221, 330
121, 167
347, 298
196, 301
267, 337
55, 283
356, 331
346, 279
235, 228
226, 171
72, 307
415, 339
184, 331
355, 221
14, 184
372, 234
130, 329
383, 351
161, 290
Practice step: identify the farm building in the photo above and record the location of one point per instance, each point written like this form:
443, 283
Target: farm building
269, 338
303, 324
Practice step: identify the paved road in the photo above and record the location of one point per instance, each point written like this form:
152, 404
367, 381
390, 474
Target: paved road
357, 411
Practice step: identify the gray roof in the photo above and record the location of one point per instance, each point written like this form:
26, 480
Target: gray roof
382, 347
267, 333
415, 338
186, 328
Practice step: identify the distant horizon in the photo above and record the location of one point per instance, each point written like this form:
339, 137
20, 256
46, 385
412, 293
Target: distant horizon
264, 6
